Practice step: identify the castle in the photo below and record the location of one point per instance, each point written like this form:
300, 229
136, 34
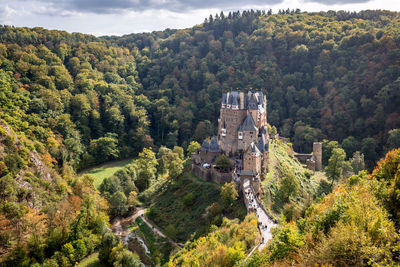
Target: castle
243, 137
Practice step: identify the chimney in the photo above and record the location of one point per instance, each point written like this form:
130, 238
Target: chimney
241, 96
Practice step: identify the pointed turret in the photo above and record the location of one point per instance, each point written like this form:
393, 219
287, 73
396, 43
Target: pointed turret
248, 124
252, 102
224, 100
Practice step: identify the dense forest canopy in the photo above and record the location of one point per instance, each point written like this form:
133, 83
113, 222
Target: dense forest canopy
331, 75
70, 101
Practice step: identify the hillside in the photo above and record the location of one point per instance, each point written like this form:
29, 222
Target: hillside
72, 101
289, 187
355, 225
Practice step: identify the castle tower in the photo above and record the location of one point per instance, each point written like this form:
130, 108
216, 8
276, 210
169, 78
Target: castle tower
317, 151
247, 133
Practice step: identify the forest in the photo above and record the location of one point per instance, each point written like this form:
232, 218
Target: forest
69, 101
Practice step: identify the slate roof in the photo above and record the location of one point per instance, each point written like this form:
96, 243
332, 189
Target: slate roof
264, 130
254, 148
214, 147
235, 100
262, 144
251, 101
248, 124
205, 146
246, 172
223, 101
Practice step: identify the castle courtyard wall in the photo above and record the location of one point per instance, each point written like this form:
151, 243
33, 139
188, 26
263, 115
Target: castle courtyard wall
211, 174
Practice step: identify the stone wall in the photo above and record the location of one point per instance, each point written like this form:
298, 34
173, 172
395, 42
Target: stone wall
264, 164
311, 164
211, 174
314, 160
248, 137
303, 157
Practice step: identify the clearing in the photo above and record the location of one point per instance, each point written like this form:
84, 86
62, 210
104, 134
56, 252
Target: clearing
105, 170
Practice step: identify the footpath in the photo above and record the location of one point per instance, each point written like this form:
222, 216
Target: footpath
121, 227
265, 222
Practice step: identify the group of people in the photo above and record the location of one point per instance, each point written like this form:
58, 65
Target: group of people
252, 202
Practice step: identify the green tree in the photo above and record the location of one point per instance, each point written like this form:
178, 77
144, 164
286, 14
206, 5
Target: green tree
104, 148
223, 162
162, 165
350, 145
122, 257
80, 250
133, 199
147, 164
393, 140
288, 186
357, 162
69, 252
327, 149
336, 162
118, 203
108, 243
175, 165
287, 240
171, 231
229, 195
368, 148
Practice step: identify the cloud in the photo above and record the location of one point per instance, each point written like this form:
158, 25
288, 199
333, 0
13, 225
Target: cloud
73, 7
338, 2
51, 7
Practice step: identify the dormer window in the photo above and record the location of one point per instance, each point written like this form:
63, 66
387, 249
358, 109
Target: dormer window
223, 132
235, 107
223, 105
228, 106
240, 135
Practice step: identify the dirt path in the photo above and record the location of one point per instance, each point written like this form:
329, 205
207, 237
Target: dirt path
121, 227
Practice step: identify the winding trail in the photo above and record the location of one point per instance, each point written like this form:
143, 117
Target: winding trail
121, 227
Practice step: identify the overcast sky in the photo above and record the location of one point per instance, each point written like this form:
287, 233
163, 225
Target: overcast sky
118, 17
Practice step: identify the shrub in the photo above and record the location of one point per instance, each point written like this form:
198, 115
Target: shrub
188, 200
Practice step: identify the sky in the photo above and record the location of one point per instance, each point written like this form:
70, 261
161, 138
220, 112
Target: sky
119, 17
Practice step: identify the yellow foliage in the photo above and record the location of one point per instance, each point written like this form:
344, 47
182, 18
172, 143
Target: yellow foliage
227, 246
